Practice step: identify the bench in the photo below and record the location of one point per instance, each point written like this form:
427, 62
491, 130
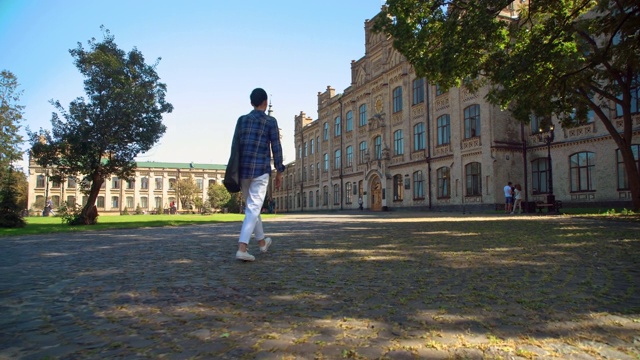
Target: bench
556, 206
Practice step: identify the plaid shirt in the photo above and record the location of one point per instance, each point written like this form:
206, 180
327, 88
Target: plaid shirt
259, 137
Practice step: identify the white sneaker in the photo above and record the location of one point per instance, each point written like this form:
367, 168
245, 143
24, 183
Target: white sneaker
267, 243
244, 256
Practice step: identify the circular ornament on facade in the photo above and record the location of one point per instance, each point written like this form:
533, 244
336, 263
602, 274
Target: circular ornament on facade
379, 104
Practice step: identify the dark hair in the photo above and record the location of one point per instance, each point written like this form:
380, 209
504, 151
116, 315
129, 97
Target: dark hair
258, 96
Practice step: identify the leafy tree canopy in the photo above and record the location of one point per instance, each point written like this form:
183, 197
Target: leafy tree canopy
10, 119
560, 58
121, 117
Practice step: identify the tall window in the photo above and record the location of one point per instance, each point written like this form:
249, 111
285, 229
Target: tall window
336, 194
440, 90
325, 132
312, 149
100, 202
40, 181
635, 97
472, 121
71, 182
581, 167
540, 176
623, 179
418, 137
199, 183
418, 91
310, 199
377, 147
362, 114
325, 195
349, 156
398, 143
398, 187
115, 183
348, 194
114, 202
444, 129
397, 99
337, 158
326, 162
129, 202
144, 202
158, 183
172, 184
337, 126
362, 152
71, 201
473, 176
158, 200
305, 149
418, 185
131, 184
349, 124
144, 183
444, 182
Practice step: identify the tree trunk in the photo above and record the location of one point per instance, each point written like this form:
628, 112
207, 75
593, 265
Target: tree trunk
89, 213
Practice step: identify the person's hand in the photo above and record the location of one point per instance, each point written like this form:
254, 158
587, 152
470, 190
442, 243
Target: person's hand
278, 180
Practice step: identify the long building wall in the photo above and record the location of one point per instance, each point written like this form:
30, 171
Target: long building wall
411, 169
150, 189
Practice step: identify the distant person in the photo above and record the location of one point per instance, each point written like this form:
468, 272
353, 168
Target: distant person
259, 137
517, 196
508, 198
360, 203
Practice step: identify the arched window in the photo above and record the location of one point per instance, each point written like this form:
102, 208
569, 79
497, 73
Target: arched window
472, 121
444, 129
473, 176
444, 182
418, 137
398, 143
397, 99
398, 188
377, 146
418, 185
581, 167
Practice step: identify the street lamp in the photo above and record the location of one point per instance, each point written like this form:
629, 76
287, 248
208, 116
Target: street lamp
548, 139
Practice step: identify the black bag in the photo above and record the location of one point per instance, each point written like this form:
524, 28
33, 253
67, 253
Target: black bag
232, 173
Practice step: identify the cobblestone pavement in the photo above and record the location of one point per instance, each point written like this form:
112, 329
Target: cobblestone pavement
348, 285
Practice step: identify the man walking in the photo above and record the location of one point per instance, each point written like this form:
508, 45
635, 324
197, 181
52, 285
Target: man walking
259, 137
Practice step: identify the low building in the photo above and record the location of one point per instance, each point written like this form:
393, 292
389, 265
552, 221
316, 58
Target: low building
149, 190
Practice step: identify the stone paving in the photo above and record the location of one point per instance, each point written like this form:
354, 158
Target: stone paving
333, 286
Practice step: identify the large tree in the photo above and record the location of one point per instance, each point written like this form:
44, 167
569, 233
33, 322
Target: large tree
551, 58
10, 119
121, 117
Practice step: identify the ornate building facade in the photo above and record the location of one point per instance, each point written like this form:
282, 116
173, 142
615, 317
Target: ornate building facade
398, 141
150, 189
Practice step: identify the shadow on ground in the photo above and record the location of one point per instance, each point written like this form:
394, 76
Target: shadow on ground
363, 286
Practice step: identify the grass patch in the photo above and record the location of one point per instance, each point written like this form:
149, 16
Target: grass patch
48, 225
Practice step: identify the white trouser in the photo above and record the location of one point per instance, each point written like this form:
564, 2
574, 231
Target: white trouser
254, 191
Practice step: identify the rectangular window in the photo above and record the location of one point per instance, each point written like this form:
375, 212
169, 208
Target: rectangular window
199, 183
129, 202
539, 176
326, 162
349, 156
418, 185
337, 160
623, 179
397, 99
473, 179
71, 182
337, 126
348, 194
362, 154
444, 129
472, 121
398, 143
144, 183
377, 147
582, 165
349, 124
158, 183
418, 137
418, 91
444, 182
131, 184
398, 187
362, 113
336, 194
114, 202
40, 181
100, 202
158, 201
144, 202
635, 97
115, 182
325, 131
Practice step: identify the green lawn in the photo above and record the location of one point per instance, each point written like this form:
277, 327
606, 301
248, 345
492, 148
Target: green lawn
47, 225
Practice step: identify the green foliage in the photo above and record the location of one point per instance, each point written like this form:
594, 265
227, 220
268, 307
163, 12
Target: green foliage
139, 210
121, 117
552, 58
235, 203
10, 210
186, 189
218, 196
125, 211
10, 119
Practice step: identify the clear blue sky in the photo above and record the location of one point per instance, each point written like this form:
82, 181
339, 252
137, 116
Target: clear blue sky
213, 54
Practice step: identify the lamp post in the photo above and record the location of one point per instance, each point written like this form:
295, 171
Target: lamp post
548, 139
